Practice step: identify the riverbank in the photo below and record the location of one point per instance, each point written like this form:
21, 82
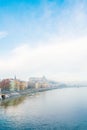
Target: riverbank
14, 94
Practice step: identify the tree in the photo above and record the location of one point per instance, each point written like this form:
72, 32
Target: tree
5, 84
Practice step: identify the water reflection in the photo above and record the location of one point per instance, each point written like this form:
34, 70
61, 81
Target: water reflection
16, 101
12, 102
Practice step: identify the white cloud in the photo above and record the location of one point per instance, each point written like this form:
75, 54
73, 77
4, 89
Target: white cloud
64, 61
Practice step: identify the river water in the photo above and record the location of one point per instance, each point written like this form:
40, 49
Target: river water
60, 109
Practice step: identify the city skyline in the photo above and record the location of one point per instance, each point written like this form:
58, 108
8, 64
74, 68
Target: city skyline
43, 38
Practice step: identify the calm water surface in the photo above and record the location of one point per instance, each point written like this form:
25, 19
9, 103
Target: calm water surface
60, 109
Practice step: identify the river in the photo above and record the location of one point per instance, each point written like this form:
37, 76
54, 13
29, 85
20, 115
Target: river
59, 109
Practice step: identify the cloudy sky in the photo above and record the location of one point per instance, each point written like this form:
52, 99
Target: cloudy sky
43, 37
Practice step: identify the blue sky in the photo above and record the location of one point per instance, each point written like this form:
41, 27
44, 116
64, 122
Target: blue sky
30, 28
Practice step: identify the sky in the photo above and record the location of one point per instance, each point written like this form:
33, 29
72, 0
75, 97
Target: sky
43, 38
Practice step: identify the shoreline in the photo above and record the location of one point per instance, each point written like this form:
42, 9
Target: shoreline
29, 92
